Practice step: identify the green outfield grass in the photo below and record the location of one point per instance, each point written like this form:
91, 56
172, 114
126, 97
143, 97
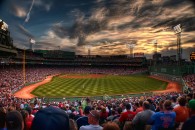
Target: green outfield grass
109, 85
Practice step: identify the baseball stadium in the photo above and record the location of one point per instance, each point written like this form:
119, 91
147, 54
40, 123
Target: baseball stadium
105, 66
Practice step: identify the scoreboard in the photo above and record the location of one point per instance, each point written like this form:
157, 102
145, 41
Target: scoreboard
192, 56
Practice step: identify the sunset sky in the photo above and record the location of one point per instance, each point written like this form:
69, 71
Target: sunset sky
106, 26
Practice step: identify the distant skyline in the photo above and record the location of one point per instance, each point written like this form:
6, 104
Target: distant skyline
107, 26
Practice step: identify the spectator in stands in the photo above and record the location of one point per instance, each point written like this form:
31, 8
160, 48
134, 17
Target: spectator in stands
118, 114
190, 123
139, 108
103, 115
174, 100
151, 104
163, 120
2, 118
110, 126
159, 107
141, 119
126, 116
14, 120
81, 111
83, 120
50, 118
93, 120
25, 115
73, 125
128, 126
182, 112
113, 114
29, 118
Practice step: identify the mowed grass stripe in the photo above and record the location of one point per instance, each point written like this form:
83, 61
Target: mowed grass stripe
110, 85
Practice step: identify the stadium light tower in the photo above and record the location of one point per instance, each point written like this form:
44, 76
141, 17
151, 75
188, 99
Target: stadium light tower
32, 41
155, 51
88, 47
155, 46
177, 30
131, 46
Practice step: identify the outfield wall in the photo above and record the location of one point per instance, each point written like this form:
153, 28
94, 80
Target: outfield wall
173, 70
173, 73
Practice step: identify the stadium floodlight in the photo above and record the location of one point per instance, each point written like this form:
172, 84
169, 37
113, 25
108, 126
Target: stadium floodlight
177, 29
59, 48
131, 45
32, 41
155, 46
155, 51
88, 47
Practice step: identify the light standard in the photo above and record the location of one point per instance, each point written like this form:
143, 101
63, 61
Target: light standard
131, 46
32, 41
155, 51
88, 47
178, 30
155, 46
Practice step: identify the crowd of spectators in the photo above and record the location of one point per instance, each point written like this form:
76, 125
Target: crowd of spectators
165, 111
190, 81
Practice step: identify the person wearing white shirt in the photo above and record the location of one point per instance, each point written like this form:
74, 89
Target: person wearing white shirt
93, 120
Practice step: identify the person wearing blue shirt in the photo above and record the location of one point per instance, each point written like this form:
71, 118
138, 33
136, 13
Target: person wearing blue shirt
164, 119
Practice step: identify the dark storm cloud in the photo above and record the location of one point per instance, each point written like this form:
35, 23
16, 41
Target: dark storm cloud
170, 3
187, 23
60, 31
192, 40
81, 29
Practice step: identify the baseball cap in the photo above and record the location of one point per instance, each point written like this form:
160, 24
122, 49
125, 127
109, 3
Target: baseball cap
50, 118
14, 120
192, 104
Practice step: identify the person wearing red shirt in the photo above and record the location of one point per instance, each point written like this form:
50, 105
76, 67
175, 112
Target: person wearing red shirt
30, 118
182, 112
103, 115
128, 115
139, 108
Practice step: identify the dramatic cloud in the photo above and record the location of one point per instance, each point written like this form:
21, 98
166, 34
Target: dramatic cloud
18, 11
